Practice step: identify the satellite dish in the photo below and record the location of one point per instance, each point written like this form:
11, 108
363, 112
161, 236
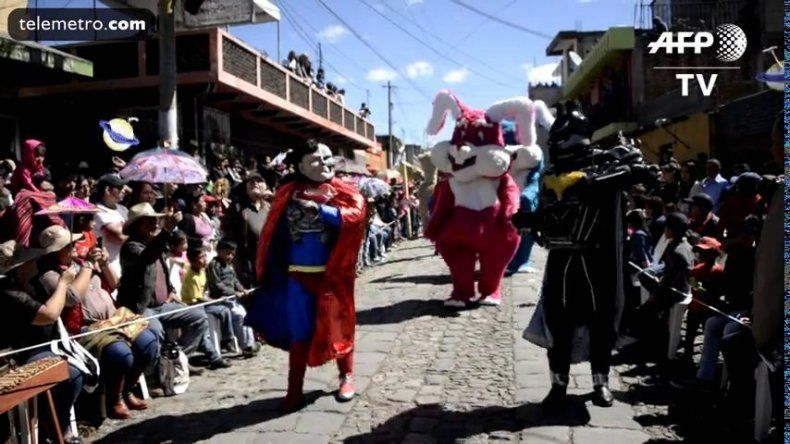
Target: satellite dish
575, 58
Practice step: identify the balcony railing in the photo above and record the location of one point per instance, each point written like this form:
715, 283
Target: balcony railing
243, 62
681, 15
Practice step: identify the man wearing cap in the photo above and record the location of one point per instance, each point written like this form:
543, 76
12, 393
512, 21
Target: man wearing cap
701, 218
109, 222
678, 261
244, 223
145, 288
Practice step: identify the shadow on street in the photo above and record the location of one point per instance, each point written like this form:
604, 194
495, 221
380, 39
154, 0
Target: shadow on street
203, 425
449, 426
404, 311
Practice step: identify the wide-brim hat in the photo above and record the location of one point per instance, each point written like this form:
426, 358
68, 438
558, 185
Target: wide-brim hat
13, 255
137, 212
55, 238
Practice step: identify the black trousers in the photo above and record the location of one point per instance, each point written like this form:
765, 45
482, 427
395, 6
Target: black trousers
580, 288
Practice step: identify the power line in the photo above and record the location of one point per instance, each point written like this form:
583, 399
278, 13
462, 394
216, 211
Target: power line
504, 22
373, 49
485, 20
434, 50
439, 39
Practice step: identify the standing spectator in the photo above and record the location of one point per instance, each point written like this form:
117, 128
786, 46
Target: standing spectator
701, 218
109, 222
176, 259
669, 189
290, 62
222, 282
65, 183
655, 213
196, 223
33, 153
83, 188
142, 192
29, 318
640, 246
222, 192
688, 177
145, 288
713, 184
364, 111
244, 223
320, 78
737, 205
341, 96
707, 286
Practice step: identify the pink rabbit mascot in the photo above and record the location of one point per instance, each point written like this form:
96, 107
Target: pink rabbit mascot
471, 214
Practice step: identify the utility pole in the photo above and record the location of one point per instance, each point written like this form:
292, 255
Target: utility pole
390, 158
168, 104
320, 57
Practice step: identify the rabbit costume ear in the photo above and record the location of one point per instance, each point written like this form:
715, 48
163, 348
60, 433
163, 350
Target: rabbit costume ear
444, 102
520, 110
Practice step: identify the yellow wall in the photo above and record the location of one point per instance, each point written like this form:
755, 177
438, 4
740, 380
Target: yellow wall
694, 131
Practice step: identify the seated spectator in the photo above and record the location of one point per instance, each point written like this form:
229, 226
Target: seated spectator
109, 222
194, 291
678, 260
290, 62
32, 164
707, 286
28, 318
320, 78
124, 353
701, 218
222, 282
341, 96
145, 288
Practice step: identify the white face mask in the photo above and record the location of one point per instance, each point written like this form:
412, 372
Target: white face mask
318, 166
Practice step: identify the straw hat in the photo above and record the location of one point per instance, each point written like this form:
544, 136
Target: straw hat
138, 212
56, 238
13, 255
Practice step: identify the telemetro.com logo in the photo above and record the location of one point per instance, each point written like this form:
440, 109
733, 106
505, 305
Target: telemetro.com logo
730, 44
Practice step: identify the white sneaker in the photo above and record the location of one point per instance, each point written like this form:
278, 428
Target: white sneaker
454, 303
346, 392
491, 301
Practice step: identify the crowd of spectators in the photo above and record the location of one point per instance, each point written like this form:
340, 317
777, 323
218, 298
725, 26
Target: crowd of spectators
301, 66
703, 239
151, 249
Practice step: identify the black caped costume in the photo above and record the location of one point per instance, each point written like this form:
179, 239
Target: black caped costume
580, 221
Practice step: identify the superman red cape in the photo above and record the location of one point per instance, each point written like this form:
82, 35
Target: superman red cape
335, 312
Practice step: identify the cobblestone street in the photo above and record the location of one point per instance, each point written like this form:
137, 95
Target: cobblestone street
424, 375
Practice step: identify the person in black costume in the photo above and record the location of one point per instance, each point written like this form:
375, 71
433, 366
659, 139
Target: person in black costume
580, 221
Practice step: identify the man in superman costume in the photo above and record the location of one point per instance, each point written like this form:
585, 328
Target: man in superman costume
306, 268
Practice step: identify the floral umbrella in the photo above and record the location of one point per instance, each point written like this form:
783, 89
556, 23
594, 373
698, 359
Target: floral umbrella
372, 187
164, 165
70, 205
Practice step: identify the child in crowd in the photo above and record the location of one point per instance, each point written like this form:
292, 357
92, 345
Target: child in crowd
194, 291
223, 282
177, 259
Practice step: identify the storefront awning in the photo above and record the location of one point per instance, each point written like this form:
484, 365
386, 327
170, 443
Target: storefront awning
37, 54
615, 40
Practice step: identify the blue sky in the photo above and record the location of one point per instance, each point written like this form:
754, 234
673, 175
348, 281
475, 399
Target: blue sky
480, 60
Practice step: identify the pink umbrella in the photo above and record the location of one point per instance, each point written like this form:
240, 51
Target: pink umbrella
70, 205
164, 165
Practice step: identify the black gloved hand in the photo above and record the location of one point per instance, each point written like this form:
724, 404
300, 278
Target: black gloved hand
523, 220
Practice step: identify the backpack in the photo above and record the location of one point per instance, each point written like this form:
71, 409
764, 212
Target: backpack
173, 369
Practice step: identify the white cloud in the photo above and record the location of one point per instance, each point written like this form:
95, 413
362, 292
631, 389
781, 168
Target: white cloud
340, 80
413, 2
456, 76
381, 75
541, 73
419, 69
333, 33
587, 1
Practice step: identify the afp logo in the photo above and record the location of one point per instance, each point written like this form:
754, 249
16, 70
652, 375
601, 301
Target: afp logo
730, 42
730, 45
